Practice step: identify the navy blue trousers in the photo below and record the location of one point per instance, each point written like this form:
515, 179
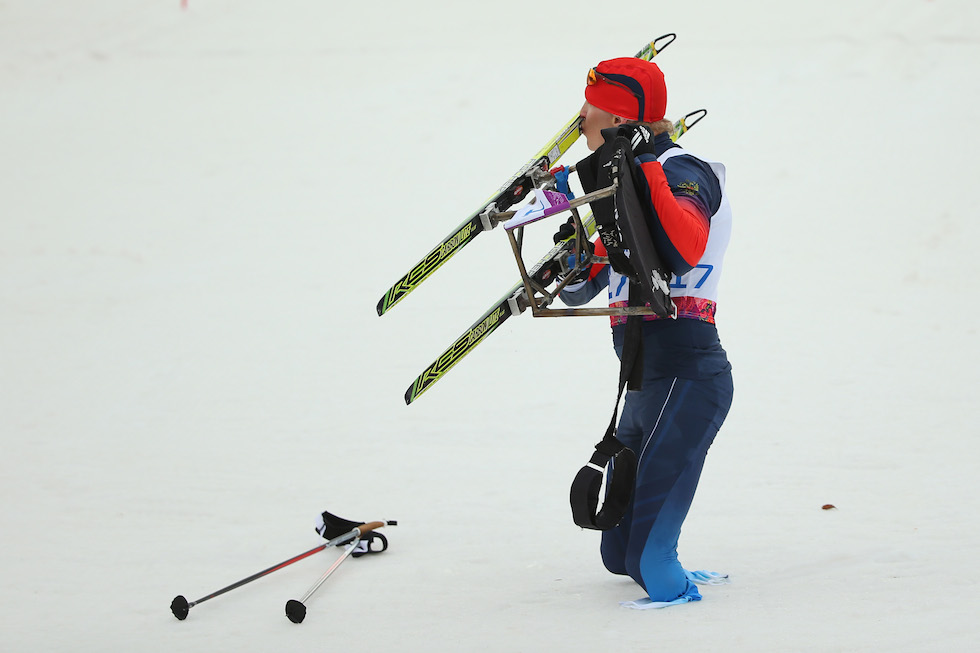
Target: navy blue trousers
670, 423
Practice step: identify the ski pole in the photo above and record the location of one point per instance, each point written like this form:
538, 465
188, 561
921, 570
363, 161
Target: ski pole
296, 610
180, 606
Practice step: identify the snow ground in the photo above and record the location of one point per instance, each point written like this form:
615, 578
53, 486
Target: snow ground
200, 207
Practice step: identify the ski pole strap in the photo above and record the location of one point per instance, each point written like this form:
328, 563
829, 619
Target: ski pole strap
610, 452
331, 527
371, 542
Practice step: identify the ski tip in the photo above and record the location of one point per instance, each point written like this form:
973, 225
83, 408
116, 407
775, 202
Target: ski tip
694, 117
667, 40
382, 309
295, 611
180, 607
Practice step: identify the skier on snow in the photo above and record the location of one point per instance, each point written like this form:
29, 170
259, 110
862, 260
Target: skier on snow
687, 383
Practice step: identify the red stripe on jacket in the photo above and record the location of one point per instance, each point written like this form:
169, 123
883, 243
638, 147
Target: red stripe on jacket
683, 221
600, 250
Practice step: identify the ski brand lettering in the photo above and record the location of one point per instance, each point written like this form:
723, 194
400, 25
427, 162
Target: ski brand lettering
455, 241
481, 329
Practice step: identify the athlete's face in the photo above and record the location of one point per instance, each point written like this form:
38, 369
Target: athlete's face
594, 120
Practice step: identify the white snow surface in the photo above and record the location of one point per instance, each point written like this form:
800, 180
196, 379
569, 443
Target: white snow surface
200, 207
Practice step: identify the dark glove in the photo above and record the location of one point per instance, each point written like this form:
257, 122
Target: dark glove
565, 231
639, 137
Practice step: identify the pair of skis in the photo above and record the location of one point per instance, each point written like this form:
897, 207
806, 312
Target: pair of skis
534, 174
513, 191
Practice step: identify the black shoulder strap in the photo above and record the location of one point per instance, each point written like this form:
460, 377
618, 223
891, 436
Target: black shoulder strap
611, 455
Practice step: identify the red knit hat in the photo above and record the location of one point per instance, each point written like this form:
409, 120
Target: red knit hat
631, 88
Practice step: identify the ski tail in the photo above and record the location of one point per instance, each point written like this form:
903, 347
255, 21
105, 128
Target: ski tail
477, 333
459, 238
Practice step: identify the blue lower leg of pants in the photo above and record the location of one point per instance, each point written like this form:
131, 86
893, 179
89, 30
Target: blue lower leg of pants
680, 419
654, 564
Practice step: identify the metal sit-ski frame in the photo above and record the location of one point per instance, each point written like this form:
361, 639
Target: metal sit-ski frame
535, 294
